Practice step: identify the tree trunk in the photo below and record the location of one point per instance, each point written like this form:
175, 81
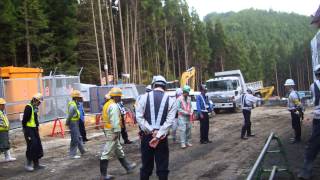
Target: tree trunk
166, 48
185, 51
27, 33
113, 43
125, 70
276, 72
96, 38
103, 42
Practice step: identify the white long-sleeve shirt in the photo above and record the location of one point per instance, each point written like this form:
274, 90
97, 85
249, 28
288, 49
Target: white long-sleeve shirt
249, 100
144, 124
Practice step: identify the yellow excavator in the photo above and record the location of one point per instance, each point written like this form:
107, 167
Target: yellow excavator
189, 78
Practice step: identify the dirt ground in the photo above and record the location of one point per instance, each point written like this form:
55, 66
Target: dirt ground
227, 158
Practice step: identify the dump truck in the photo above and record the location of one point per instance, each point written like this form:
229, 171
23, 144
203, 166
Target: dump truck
225, 90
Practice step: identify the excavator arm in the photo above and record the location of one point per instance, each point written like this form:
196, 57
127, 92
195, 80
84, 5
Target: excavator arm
189, 78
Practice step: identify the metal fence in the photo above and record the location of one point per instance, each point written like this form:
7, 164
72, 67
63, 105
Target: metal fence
55, 89
1, 87
130, 93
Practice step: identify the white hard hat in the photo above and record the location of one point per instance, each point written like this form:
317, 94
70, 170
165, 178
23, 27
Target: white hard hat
289, 82
159, 80
178, 92
148, 88
316, 69
249, 90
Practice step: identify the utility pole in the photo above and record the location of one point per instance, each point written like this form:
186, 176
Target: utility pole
97, 44
103, 42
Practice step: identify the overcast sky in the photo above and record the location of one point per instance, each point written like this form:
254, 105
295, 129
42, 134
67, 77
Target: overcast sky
304, 7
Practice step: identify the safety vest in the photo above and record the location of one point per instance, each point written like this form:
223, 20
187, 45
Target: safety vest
156, 121
5, 120
105, 114
32, 121
186, 105
74, 104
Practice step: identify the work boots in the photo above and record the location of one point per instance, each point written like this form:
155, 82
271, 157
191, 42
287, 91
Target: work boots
103, 170
8, 157
37, 165
128, 166
28, 167
306, 171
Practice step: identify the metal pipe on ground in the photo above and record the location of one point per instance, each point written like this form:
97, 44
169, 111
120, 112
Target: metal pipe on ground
260, 158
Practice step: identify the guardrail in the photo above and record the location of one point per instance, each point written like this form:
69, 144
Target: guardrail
258, 170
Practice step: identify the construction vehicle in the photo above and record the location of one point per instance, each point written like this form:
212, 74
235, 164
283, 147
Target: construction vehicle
189, 78
225, 90
260, 91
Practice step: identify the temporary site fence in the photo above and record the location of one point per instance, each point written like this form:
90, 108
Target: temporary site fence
55, 89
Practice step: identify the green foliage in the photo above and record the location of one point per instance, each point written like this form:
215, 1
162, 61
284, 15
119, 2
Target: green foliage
259, 41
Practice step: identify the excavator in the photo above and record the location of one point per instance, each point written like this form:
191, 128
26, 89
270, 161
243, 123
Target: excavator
187, 78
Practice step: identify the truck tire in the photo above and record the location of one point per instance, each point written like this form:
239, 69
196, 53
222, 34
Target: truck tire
217, 111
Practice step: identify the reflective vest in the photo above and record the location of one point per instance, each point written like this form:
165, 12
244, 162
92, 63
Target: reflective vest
157, 121
74, 104
32, 121
185, 104
105, 114
5, 120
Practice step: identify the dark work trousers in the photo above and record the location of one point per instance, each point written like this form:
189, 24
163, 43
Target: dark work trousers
34, 147
124, 133
204, 127
82, 129
149, 155
246, 128
313, 146
296, 125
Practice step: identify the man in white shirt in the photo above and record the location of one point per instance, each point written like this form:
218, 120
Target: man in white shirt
294, 105
155, 113
247, 103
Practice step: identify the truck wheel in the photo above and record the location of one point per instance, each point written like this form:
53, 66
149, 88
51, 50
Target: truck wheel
217, 111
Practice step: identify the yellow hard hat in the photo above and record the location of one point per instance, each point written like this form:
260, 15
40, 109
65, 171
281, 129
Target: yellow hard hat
2, 101
115, 92
107, 96
76, 94
38, 97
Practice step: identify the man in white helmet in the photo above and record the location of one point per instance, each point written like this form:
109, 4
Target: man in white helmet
30, 124
247, 103
313, 146
294, 105
155, 114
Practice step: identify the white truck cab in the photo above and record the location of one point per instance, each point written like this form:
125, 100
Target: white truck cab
225, 90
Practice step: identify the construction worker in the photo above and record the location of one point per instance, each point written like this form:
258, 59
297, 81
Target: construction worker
294, 106
203, 109
247, 103
184, 114
73, 118
82, 126
124, 133
148, 88
175, 122
4, 133
30, 124
155, 113
112, 127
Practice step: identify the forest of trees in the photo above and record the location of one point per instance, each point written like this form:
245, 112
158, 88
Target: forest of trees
141, 38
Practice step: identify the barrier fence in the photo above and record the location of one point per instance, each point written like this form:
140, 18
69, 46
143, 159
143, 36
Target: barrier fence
55, 89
